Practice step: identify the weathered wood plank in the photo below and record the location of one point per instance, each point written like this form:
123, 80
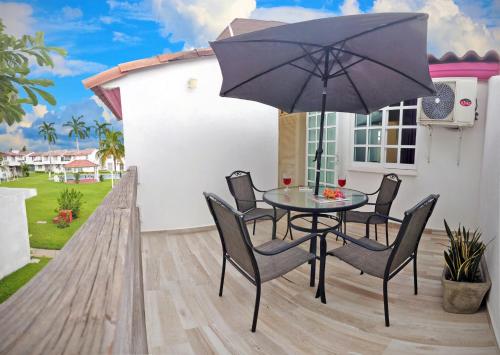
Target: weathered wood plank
89, 298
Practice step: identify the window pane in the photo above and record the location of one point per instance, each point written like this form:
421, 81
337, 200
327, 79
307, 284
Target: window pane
408, 136
374, 155
311, 147
330, 148
312, 135
360, 121
407, 156
330, 119
412, 102
330, 163
376, 118
375, 136
330, 133
360, 136
393, 117
330, 177
410, 117
310, 162
312, 121
310, 174
395, 104
392, 137
359, 153
391, 155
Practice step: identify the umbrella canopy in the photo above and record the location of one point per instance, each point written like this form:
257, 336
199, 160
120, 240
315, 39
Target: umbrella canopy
352, 64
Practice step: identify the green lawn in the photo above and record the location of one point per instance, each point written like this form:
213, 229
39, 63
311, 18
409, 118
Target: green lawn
11, 283
42, 208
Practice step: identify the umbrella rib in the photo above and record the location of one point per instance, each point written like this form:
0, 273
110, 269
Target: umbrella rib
352, 83
340, 72
387, 67
304, 87
304, 69
313, 60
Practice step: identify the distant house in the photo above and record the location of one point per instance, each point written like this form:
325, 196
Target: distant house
54, 161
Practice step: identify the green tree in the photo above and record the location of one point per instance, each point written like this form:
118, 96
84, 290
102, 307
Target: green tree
100, 129
48, 133
78, 129
16, 87
111, 146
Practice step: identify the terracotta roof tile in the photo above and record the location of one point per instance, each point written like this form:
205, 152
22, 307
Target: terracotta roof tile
80, 164
469, 56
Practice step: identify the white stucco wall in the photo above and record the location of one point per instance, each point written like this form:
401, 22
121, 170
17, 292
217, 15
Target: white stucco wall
14, 238
185, 141
489, 207
457, 185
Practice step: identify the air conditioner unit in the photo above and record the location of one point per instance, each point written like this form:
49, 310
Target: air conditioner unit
454, 104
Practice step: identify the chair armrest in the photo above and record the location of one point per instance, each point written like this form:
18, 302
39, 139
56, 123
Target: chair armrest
375, 214
373, 193
359, 242
237, 199
290, 245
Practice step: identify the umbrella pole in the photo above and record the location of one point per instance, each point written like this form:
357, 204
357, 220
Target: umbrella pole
319, 150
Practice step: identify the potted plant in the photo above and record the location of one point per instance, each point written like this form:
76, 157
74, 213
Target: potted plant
465, 278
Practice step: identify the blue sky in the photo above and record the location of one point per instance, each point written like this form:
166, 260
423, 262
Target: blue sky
101, 34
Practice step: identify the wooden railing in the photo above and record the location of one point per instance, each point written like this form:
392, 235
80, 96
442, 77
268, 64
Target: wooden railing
89, 299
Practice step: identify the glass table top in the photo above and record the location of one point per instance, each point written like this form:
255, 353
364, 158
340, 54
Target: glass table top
304, 200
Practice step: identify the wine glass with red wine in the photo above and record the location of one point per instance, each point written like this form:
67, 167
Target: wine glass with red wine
342, 180
287, 180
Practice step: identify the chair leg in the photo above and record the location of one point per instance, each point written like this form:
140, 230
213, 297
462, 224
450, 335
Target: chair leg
376, 236
222, 276
274, 229
254, 222
387, 233
386, 304
256, 309
415, 286
312, 250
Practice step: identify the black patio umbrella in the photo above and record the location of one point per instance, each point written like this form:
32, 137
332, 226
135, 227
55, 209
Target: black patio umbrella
355, 64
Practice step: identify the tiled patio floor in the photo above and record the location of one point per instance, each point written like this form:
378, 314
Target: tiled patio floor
185, 315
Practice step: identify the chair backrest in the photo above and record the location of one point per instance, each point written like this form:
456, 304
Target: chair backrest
388, 191
233, 234
241, 187
410, 232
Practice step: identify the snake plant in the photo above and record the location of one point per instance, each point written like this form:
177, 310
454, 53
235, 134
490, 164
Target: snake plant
464, 254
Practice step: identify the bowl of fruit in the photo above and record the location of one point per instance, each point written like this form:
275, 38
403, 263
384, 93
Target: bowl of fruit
333, 194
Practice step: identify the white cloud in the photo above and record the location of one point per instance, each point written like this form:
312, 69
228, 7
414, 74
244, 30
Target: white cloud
106, 113
108, 20
40, 110
14, 140
450, 28
350, 7
71, 13
198, 21
65, 67
17, 18
289, 14
125, 38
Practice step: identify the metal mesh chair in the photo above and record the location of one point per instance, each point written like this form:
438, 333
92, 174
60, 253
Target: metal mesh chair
243, 190
383, 261
258, 264
386, 194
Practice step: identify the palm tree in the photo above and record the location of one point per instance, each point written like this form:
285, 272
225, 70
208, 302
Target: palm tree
48, 132
78, 129
111, 146
100, 129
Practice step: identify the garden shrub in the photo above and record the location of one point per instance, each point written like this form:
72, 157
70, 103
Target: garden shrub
70, 200
77, 178
62, 223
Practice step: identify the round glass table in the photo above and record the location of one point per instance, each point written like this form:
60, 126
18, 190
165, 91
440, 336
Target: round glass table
303, 200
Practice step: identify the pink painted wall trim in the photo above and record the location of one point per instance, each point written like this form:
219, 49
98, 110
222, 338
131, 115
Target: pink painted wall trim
480, 70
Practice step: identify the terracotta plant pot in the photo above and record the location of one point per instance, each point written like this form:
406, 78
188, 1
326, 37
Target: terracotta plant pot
464, 297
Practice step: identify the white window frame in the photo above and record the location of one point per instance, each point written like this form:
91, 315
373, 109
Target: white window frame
357, 165
325, 152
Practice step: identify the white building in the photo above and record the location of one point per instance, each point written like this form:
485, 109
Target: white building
52, 161
172, 113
